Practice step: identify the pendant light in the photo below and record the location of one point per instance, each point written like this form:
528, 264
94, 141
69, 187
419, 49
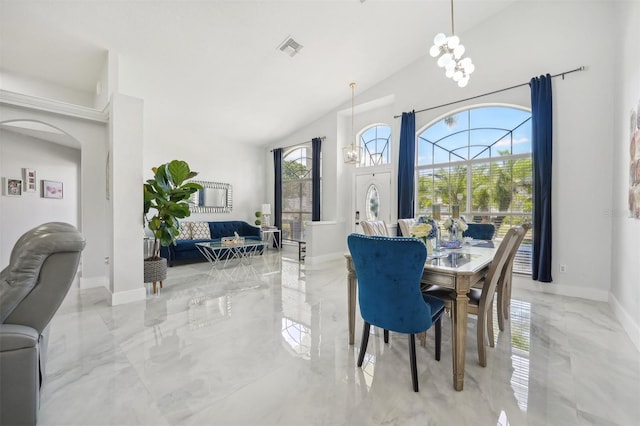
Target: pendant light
352, 153
449, 52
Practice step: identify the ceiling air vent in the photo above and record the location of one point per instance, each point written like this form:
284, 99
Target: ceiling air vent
290, 47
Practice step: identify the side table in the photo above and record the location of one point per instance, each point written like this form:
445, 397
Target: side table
269, 234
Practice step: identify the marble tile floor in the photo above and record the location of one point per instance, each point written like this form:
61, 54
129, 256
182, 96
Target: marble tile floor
266, 344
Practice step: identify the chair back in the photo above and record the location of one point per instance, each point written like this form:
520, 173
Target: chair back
480, 231
374, 227
42, 266
389, 270
497, 267
508, 266
406, 225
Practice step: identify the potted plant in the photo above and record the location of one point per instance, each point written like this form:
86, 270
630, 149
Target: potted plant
167, 193
258, 222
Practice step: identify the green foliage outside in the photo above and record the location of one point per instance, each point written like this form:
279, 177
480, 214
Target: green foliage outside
497, 187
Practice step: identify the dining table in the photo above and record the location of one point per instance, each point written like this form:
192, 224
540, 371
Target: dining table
457, 269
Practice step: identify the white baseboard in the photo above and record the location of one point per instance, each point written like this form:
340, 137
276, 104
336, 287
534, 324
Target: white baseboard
627, 322
527, 283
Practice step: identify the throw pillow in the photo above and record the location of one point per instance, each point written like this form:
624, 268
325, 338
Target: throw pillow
185, 231
200, 231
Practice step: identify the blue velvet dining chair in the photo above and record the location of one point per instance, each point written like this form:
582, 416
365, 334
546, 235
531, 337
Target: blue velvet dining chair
480, 231
389, 270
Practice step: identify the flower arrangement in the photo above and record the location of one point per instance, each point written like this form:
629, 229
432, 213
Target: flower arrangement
433, 232
460, 223
426, 229
421, 230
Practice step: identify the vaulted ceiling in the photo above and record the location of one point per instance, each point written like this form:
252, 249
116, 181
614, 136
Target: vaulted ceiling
218, 62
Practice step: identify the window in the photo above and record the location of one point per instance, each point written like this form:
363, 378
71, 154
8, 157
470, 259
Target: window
296, 192
479, 159
375, 141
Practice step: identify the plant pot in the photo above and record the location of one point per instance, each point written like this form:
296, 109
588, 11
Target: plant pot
155, 271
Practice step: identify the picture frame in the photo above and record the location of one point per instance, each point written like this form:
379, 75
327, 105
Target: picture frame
52, 189
29, 180
12, 187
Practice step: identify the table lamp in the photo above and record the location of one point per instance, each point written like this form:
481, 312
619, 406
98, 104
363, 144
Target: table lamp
266, 212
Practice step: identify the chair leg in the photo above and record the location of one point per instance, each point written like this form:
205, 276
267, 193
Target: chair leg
482, 350
422, 337
412, 359
438, 337
386, 336
365, 341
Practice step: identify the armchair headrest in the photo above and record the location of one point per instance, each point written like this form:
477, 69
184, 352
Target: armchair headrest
27, 257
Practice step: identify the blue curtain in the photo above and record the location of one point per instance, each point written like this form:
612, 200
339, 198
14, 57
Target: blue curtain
316, 144
277, 191
406, 166
541, 132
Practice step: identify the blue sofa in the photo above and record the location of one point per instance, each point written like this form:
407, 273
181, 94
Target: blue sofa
185, 248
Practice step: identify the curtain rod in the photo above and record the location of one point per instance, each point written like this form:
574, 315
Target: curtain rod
301, 143
495, 91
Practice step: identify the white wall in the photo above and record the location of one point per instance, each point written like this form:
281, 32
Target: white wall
51, 162
34, 87
125, 199
534, 38
625, 265
242, 166
91, 135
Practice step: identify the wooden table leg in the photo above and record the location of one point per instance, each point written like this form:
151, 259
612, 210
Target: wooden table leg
459, 337
351, 298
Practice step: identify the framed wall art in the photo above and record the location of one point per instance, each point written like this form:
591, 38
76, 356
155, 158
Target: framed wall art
51, 189
29, 180
12, 187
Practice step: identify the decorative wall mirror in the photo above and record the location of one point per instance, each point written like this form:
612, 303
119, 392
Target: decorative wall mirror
214, 197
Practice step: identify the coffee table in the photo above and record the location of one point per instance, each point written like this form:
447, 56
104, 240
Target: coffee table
216, 252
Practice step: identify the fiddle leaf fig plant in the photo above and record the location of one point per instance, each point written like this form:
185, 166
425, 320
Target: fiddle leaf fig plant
167, 193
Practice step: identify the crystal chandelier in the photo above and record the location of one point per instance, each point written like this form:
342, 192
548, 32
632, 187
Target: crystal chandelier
449, 52
352, 153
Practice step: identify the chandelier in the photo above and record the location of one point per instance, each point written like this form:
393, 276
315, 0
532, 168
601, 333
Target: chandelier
352, 153
449, 52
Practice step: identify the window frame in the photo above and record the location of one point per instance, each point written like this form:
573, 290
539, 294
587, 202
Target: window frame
466, 209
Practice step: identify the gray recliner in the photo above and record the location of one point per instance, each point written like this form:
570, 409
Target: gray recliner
43, 264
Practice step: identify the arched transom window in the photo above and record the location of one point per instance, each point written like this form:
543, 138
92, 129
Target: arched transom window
375, 141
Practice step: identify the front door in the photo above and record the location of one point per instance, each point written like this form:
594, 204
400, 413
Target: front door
373, 198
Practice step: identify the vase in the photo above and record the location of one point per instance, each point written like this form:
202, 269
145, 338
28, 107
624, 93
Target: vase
428, 242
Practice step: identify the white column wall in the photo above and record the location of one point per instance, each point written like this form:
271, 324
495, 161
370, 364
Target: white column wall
125, 178
625, 265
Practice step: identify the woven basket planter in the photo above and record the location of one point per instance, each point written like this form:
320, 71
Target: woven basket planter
155, 270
